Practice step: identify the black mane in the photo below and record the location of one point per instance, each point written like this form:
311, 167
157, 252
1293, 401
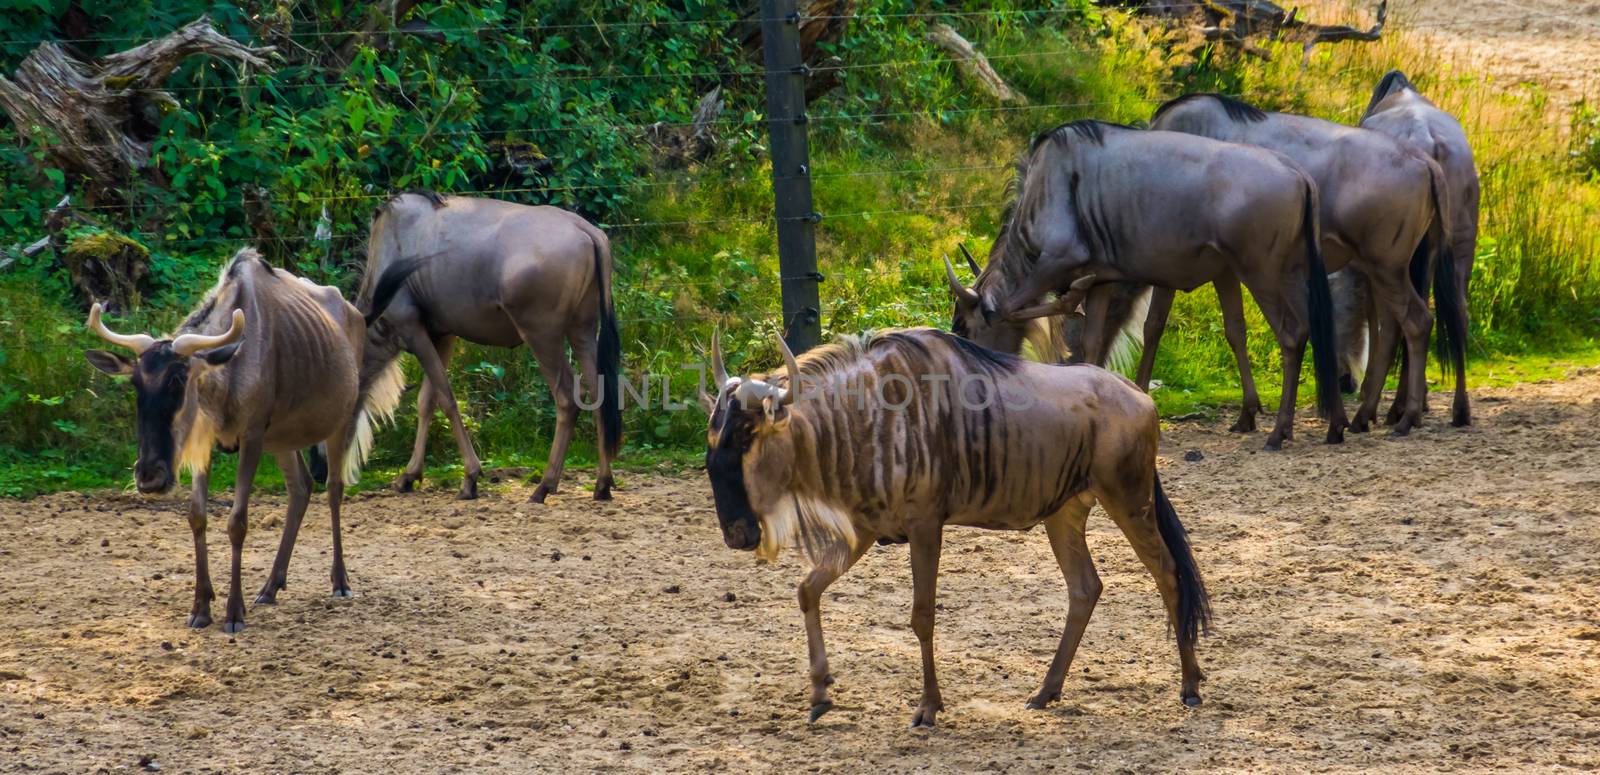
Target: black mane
1238, 110
433, 197
1392, 81
1092, 130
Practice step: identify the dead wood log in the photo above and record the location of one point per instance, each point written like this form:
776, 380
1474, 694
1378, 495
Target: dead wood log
1236, 23
96, 121
973, 64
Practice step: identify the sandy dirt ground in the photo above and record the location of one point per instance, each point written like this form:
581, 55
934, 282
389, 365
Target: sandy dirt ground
1411, 604
1552, 43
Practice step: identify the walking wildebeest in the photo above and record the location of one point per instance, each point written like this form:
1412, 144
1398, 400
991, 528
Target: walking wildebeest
1384, 211
1170, 210
501, 274
897, 434
267, 363
1398, 110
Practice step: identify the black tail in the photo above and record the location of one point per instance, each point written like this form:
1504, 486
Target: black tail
317, 463
1451, 322
1324, 340
1194, 605
389, 283
608, 359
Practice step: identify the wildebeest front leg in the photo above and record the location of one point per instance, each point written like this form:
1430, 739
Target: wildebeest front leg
1231, 302
419, 448
1415, 327
926, 537
1155, 324
298, 480
337, 445
238, 525
1380, 354
810, 594
433, 360
1065, 528
200, 613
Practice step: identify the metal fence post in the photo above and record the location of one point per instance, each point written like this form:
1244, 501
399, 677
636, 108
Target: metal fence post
791, 174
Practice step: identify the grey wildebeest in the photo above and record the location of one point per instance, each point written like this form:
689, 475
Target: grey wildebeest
267, 363
1384, 212
1398, 110
501, 274
1169, 210
897, 435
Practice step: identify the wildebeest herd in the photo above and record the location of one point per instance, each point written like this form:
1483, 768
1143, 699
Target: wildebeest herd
886, 437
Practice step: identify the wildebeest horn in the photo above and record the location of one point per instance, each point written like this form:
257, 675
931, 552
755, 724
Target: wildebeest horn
972, 262
1066, 304
962, 292
189, 344
718, 371
793, 367
138, 343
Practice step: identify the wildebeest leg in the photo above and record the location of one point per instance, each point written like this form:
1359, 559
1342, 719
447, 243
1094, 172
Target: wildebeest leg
1130, 505
1415, 327
1402, 387
238, 525
1290, 324
926, 537
1065, 528
337, 446
204, 593
419, 449
810, 594
433, 355
1096, 339
1231, 301
1380, 354
583, 351
1464, 249
298, 481
1155, 324
551, 354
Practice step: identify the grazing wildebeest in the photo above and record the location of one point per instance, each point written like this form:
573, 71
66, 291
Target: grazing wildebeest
1398, 110
898, 434
1384, 211
501, 274
267, 363
1173, 211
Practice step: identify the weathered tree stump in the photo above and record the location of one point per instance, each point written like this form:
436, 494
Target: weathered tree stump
974, 65
107, 267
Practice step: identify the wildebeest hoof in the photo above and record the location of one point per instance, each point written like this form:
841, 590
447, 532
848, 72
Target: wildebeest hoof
602, 492
923, 719
1042, 701
540, 493
199, 621
820, 708
1192, 700
265, 599
1274, 444
404, 484
1461, 417
233, 626
1335, 436
343, 592
1359, 425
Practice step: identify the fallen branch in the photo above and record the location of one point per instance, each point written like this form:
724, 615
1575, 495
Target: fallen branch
973, 64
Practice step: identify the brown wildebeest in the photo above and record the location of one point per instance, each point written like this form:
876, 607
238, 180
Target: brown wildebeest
501, 274
898, 434
1170, 210
1384, 212
267, 363
1398, 110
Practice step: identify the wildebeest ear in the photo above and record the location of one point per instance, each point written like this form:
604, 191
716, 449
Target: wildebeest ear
115, 364
220, 355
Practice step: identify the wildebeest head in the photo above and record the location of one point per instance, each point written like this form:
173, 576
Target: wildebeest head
985, 320
749, 455
160, 372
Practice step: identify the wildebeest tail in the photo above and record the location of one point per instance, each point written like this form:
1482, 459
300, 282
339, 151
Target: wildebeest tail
609, 355
389, 283
1324, 340
1451, 307
1194, 604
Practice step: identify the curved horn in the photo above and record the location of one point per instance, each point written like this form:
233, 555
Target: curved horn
138, 343
189, 344
963, 293
972, 262
718, 371
793, 367
1066, 304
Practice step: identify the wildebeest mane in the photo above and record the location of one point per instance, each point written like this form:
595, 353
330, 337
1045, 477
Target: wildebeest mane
1392, 81
435, 198
828, 359
1238, 110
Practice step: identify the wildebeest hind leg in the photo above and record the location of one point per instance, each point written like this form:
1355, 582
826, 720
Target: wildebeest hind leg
1416, 326
1289, 325
337, 446
1231, 302
238, 527
204, 593
550, 352
810, 594
1380, 353
926, 539
1065, 529
419, 449
584, 352
298, 481
433, 355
